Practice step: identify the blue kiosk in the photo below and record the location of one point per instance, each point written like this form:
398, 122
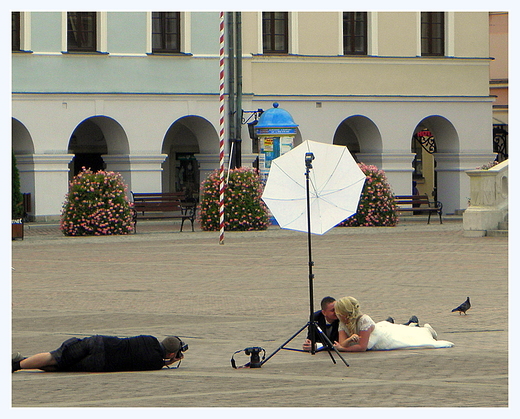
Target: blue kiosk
275, 131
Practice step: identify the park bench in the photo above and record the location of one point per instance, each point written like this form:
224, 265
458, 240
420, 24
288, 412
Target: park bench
164, 205
418, 204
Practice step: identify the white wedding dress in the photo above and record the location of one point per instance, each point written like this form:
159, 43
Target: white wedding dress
386, 336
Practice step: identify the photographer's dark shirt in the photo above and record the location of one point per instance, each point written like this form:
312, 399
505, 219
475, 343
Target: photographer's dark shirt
109, 353
139, 353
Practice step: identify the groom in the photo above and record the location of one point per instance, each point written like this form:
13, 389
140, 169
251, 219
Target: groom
327, 322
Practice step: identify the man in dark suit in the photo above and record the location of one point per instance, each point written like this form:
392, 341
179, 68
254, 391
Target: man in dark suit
328, 323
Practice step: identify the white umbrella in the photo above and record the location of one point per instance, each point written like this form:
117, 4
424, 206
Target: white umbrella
336, 183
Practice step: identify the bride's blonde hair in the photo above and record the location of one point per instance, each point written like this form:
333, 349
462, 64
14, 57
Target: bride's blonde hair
349, 307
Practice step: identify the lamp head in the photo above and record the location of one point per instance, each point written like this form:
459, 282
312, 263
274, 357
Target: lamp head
309, 157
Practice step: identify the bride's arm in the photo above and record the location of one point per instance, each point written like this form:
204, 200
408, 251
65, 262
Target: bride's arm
343, 339
349, 344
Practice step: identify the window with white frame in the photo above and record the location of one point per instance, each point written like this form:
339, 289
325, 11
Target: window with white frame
432, 34
81, 31
166, 32
275, 32
355, 31
16, 34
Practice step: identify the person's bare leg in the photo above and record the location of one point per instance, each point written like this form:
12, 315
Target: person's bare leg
38, 361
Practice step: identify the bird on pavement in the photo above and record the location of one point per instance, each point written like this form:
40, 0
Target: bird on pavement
465, 306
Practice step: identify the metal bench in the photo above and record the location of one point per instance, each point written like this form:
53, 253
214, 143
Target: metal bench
168, 204
418, 204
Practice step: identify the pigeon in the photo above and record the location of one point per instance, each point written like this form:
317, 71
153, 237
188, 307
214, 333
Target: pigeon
465, 306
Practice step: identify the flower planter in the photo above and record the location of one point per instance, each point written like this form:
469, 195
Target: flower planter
17, 230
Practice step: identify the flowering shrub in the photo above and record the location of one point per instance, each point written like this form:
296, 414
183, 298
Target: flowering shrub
96, 204
17, 201
377, 205
243, 208
488, 165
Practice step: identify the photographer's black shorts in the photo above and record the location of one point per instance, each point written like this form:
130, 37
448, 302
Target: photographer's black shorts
86, 355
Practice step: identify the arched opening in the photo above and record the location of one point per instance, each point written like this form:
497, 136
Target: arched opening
433, 135
21, 138
88, 144
93, 140
23, 148
185, 139
362, 137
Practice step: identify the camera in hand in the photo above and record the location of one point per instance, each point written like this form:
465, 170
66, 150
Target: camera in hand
184, 348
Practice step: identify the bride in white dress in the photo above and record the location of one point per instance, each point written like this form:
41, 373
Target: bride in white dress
359, 333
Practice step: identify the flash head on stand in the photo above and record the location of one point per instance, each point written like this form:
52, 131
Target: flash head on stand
254, 352
309, 157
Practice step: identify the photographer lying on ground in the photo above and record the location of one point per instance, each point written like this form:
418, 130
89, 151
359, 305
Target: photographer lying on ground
106, 354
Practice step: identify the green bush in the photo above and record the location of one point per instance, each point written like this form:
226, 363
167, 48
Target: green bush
17, 201
96, 204
377, 204
243, 208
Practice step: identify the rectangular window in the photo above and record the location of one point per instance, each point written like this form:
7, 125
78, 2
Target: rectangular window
275, 32
432, 34
81, 32
166, 32
16, 35
355, 33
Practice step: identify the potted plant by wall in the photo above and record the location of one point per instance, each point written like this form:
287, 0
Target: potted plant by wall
17, 203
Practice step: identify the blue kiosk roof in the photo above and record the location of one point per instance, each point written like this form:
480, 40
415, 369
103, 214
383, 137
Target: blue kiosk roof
276, 118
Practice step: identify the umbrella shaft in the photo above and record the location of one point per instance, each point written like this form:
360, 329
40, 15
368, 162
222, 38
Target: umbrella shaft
311, 263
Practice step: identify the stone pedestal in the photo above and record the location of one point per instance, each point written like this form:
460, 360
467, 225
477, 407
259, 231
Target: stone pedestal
488, 200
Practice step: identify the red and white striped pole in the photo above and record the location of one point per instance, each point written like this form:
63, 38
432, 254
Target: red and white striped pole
221, 133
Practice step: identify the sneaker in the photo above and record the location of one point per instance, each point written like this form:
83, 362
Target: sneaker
15, 359
390, 320
413, 321
431, 329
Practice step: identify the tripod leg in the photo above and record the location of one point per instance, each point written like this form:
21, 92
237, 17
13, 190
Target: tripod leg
330, 345
285, 343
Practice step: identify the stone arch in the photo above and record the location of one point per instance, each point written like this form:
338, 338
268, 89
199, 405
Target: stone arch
434, 137
21, 139
23, 147
185, 139
362, 137
298, 139
446, 136
100, 142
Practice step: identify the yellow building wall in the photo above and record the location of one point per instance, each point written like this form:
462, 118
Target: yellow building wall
319, 33
368, 76
316, 68
470, 37
397, 34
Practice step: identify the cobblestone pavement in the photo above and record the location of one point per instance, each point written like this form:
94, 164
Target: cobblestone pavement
254, 291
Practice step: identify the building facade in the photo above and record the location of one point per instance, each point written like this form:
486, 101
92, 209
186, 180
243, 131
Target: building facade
138, 93
499, 80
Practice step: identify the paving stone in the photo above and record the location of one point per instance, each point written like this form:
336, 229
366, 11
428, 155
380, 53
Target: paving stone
254, 291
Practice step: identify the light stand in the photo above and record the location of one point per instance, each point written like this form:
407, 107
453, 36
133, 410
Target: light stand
311, 324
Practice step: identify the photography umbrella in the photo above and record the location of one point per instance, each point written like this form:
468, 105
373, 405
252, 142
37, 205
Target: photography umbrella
313, 200
336, 182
